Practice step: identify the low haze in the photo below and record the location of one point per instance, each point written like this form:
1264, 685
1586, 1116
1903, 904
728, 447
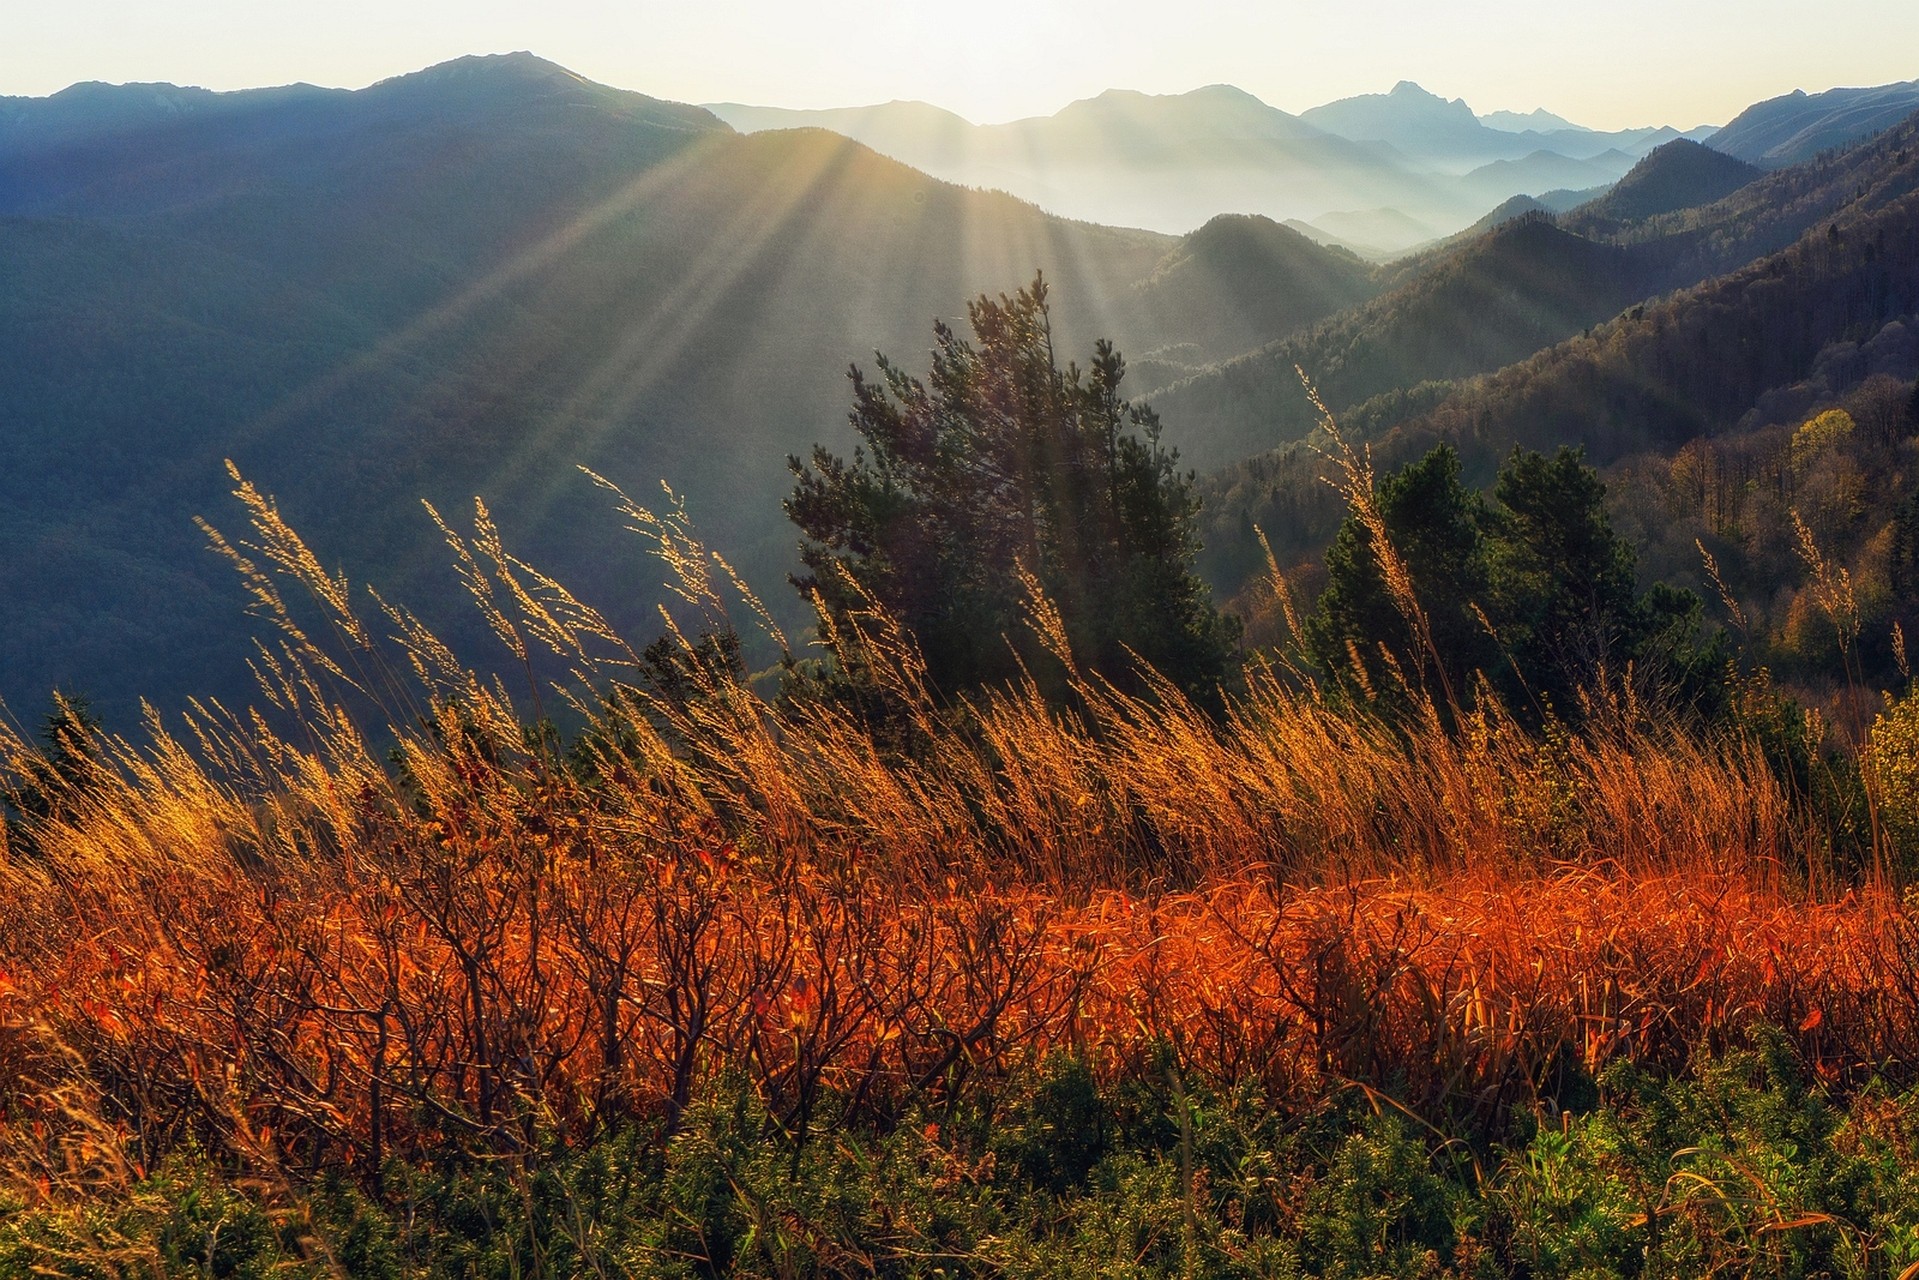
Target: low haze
1683, 64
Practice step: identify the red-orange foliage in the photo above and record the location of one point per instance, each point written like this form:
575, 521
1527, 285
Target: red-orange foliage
270, 941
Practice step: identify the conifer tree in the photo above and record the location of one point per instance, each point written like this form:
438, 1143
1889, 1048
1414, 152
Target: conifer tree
1534, 590
1435, 525
1000, 460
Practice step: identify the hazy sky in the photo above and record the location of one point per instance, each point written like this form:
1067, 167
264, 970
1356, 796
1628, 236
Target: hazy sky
1606, 63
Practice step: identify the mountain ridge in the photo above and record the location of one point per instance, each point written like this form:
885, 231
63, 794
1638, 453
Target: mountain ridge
1397, 342
1171, 161
1795, 127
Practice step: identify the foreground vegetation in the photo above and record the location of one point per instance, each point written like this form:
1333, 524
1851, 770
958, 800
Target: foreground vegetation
1748, 1168
1494, 925
1024, 985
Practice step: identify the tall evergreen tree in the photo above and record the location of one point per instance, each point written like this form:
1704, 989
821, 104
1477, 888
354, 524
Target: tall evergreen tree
1540, 565
1435, 525
998, 460
48, 785
1563, 583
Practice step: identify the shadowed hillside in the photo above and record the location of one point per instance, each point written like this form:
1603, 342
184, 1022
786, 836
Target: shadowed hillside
1681, 174
465, 281
1472, 306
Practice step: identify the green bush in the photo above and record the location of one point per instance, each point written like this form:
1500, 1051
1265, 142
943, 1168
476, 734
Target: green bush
1742, 1165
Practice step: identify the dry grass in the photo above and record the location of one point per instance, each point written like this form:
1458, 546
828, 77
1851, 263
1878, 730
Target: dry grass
256, 933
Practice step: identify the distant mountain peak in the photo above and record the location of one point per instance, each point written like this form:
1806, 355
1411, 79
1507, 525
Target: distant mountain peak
1538, 120
1223, 92
1411, 93
492, 83
1216, 110
518, 65
82, 90
1405, 99
95, 108
1409, 117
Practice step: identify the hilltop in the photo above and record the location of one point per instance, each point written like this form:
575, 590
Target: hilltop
1242, 281
1680, 174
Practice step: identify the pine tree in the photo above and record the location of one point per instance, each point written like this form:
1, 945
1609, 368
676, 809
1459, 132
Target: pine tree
46, 787
1539, 568
1563, 583
1435, 525
999, 460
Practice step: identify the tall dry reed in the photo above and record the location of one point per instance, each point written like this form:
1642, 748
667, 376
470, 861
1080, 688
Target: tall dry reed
307, 937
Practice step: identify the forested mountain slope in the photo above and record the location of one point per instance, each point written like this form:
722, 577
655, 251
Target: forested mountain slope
1799, 125
1478, 305
1655, 379
1682, 174
1497, 299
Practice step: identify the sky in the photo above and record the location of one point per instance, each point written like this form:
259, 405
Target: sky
1611, 64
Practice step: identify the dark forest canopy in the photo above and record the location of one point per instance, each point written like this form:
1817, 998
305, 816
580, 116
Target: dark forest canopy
1528, 591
